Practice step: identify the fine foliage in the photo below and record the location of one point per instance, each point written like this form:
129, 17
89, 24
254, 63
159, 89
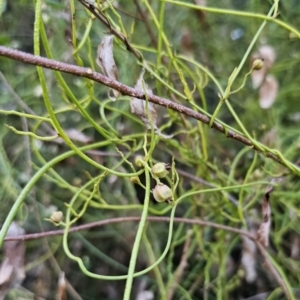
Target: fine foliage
151, 147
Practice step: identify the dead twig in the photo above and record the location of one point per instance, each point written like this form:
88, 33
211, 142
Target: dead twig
268, 264
248, 234
33, 236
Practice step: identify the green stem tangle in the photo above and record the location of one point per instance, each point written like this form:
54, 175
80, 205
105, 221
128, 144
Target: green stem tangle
143, 163
89, 192
233, 76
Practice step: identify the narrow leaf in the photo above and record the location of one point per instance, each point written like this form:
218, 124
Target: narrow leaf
264, 228
105, 60
139, 108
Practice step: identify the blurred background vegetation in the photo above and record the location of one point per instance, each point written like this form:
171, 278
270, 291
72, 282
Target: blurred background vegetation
204, 158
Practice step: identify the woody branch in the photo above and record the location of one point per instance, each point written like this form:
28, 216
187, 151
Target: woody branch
126, 90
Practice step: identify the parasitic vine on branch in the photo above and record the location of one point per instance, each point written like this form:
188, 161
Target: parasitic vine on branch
129, 91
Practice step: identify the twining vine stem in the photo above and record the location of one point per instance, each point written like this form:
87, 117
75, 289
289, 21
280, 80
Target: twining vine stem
129, 91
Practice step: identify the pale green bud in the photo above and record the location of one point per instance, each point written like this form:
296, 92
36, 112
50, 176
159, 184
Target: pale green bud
134, 179
160, 170
57, 216
162, 193
139, 161
257, 64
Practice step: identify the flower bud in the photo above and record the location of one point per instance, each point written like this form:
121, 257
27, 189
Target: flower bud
134, 179
160, 170
257, 64
162, 193
139, 161
57, 216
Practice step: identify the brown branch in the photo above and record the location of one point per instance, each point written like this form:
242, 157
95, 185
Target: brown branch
33, 236
248, 234
126, 90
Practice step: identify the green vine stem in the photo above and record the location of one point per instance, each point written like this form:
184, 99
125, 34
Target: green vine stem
29, 133
170, 233
237, 13
50, 110
67, 90
21, 198
234, 75
138, 238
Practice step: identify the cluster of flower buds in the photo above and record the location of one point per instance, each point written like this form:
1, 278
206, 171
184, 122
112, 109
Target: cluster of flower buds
161, 192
